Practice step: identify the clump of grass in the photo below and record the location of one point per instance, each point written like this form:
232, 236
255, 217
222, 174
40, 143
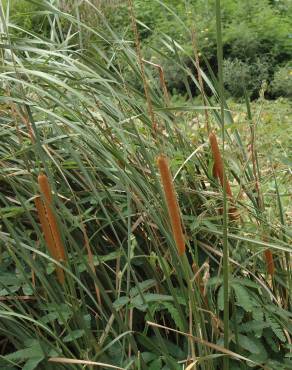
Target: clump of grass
95, 133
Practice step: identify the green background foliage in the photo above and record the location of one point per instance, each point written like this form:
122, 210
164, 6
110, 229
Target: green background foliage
75, 80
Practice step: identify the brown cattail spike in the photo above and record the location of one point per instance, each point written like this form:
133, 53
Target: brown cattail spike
50, 226
270, 262
218, 172
218, 163
45, 189
45, 226
48, 236
172, 204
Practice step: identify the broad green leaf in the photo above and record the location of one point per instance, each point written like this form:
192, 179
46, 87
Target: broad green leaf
75, 334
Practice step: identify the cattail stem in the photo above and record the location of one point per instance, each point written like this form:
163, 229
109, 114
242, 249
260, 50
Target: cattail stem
140, 61
49, 225
46, 190
218, 163
48, 235
218, 171
270, 262
172, 204
161, 78
200, 80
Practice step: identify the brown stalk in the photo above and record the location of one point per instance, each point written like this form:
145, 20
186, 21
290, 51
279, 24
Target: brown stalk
48, 235
140, 60
218, 171
172, 203
45, 226
200, 80
218, 163
161, 78
46, 191
199, 280
270, 262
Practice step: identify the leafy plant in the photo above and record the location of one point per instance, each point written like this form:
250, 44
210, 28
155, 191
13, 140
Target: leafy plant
129, 298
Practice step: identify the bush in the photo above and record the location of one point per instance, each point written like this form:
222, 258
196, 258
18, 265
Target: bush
24, 15
240, 76
282, 82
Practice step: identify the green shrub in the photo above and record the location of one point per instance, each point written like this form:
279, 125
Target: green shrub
240, 76
282, 82
24, 15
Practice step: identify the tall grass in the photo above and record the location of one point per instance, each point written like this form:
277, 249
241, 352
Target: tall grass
128, 300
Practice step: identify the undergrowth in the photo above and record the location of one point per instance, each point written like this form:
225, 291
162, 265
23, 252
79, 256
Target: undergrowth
118, 293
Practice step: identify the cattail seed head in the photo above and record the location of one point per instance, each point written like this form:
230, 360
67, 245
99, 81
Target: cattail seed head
270, 262
218, 170
172, 204
49, 224
46, 191
48, 235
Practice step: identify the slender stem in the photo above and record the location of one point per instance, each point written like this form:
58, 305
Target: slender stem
225, 206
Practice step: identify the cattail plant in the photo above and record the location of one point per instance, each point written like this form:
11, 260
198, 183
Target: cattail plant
218, 171
270, 262
172, 203
218, 163
49, 224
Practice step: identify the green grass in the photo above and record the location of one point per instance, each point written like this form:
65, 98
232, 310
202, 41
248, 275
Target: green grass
95, 141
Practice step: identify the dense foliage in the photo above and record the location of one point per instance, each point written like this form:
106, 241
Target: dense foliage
97, 280
257, 37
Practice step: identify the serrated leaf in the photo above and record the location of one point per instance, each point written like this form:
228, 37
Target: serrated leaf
275, 327
174, 315
253, 326
242, 297
258, 315
270, 339
249, 344
171, 309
